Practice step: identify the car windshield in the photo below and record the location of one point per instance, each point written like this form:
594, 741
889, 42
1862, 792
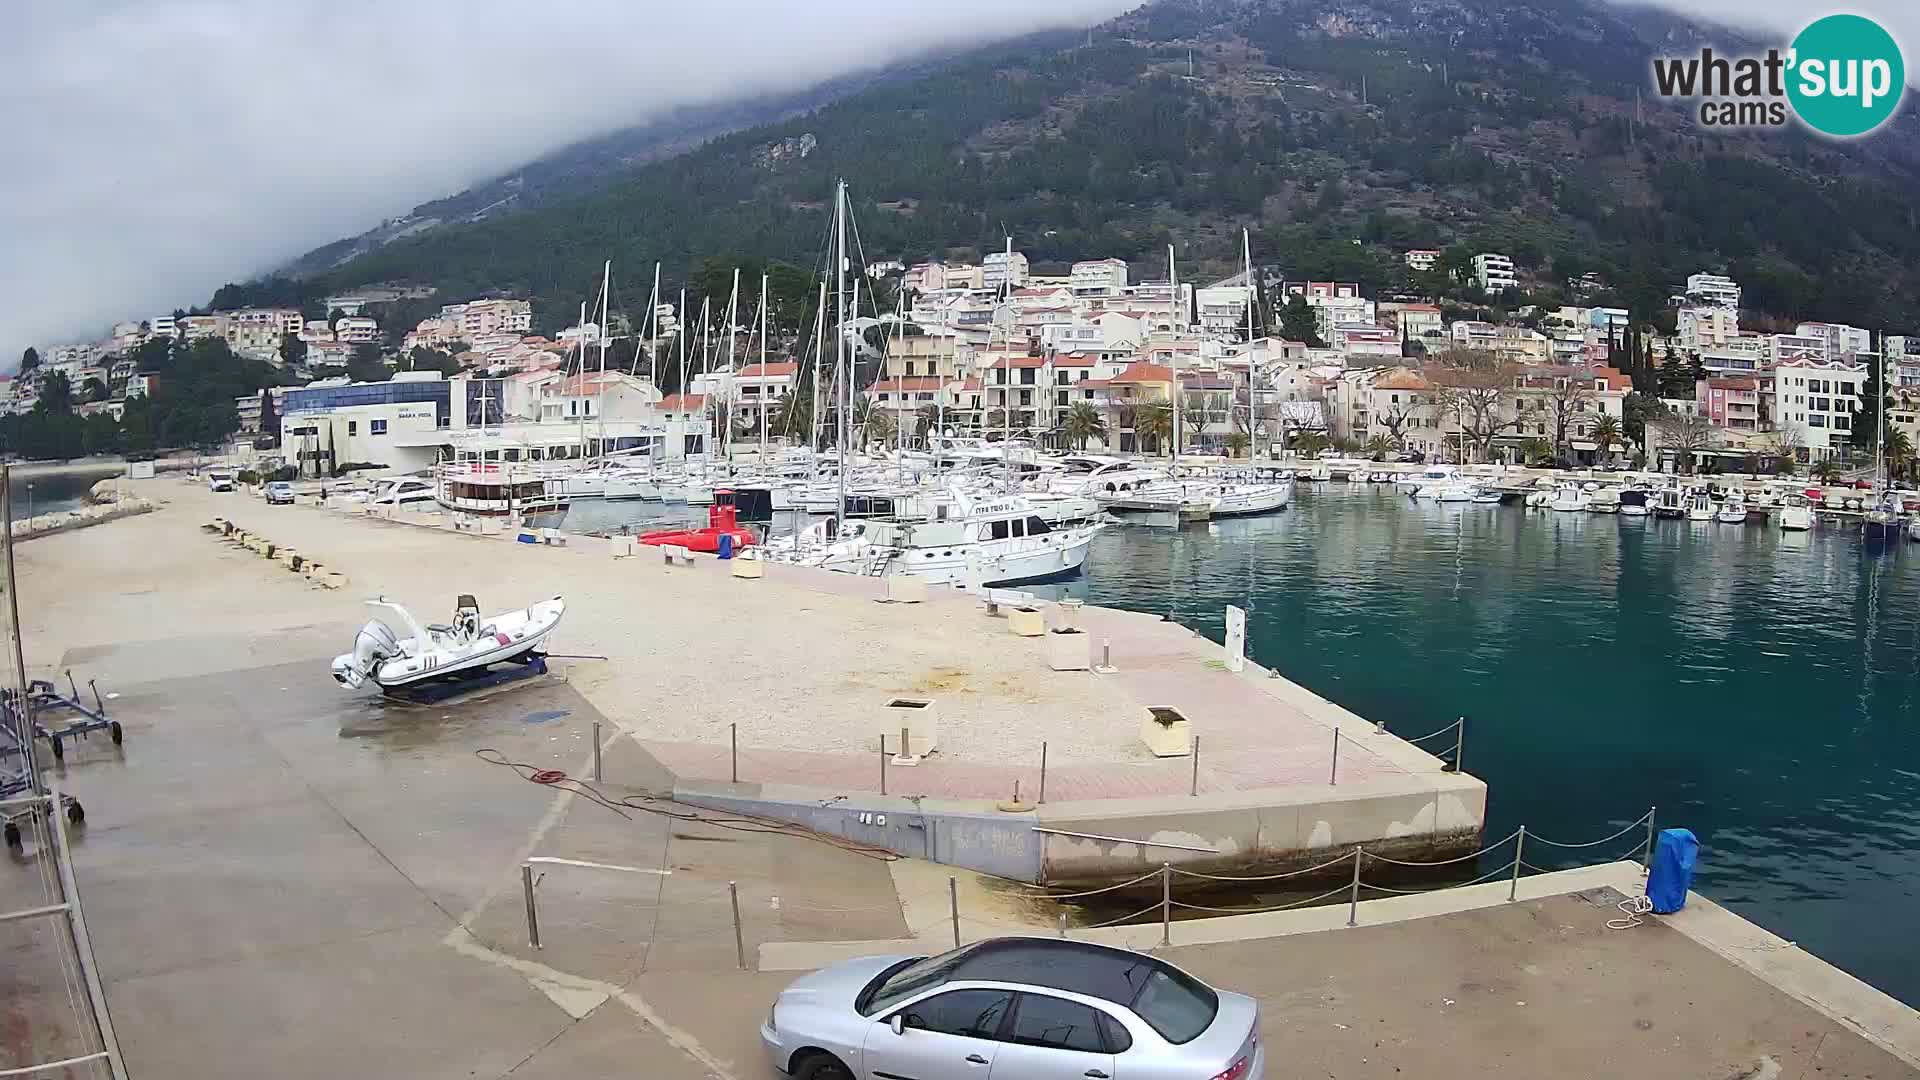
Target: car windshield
905, 982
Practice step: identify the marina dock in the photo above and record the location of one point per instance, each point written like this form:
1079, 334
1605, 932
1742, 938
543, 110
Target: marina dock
277, 871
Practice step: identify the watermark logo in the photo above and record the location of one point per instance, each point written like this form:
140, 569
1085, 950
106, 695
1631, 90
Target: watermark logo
1843, 76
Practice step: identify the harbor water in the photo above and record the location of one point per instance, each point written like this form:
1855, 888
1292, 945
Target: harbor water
1761, 688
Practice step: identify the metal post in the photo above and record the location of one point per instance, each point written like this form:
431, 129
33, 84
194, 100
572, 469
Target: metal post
1650, 835
1063, 924
1166, 903
77, 926
98, 705
953, 909
883, 764
1333, 774
1043, 772
596, 751
733, 750
1519, 850
1194, 788
533, 917
1459, 743
1353, 902
739, 942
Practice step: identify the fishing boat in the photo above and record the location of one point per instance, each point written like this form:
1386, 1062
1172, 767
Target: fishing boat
1796, 515
1241, 500
1733, 510
491, 489
1568, 498
395, 651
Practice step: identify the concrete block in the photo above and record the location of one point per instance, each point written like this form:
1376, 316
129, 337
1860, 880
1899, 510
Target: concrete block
1069, 650
1166, 732
906, 589
619, 546
747, 568
911, 726
1026, 622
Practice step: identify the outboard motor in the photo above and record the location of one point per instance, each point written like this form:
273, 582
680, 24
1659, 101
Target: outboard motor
372, 646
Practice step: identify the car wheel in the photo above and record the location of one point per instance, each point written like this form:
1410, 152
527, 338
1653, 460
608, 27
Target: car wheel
821, 1065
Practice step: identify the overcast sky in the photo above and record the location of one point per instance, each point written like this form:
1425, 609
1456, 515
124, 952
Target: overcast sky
158, 148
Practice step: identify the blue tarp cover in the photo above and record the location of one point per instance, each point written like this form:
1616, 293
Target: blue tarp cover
1674, 854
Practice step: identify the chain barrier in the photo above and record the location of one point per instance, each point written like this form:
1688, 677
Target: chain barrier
1342, 890
1637, 823
1263, 877
1431, 734
1506, 868
1121, 919
1500, 843
1096, 892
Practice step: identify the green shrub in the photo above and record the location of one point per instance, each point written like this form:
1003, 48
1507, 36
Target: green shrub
247, 477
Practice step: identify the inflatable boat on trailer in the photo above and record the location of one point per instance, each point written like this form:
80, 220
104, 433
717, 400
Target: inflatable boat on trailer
403, 658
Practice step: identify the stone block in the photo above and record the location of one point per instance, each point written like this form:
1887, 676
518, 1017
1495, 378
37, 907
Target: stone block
1026, 622
1166, 732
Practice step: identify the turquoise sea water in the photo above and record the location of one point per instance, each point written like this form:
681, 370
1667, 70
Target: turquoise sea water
1761, 688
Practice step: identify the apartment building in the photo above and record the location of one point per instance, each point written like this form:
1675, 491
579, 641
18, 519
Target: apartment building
1494, 272
1099, 277
1003, 268
1417, 321
1222, 309
1422, 259
1700, 327
479, 317
1842, 342
1714, 289
1818, 398
356, 330
1731, 403
1902, 360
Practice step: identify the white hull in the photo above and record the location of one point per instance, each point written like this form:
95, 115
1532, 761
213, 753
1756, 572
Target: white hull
1797, 519
431, 653
998, 562
1245, 500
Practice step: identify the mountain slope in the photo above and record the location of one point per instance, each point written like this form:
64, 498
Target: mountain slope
1502, 125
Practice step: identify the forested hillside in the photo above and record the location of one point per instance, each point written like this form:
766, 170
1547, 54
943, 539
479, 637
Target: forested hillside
1340, 133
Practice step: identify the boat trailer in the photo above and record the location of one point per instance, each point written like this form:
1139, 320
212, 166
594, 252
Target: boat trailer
19, 721
529, 665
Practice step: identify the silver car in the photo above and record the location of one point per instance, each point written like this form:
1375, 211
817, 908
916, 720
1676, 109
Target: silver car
1013, 1009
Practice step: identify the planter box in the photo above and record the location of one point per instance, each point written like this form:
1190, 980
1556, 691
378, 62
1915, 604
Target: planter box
1069, 650
1166, 732
1026, 622
905, 589
619, 546
914, 721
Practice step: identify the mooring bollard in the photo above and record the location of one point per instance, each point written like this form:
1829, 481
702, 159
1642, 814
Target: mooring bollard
739, 942
1519, 849
1166, 903
1193, 789
533, 917
1353, 902
1063, 924
953, 908
596, 751
1043, 772
1333, 775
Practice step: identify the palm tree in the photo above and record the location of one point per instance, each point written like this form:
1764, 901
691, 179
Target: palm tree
1152, 424
1083, 422
1899, 454
1237, 441
925, 420
1379, 447
1311, 443
1536, 451
1826, 471
1606, 432
793, 417
875, 423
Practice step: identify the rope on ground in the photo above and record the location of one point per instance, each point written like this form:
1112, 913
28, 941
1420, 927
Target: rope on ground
1488, 876
1634, 907
1263, 877
1123, 918
1096, 892
1261, 911
664, 807
1447, 862
1637, 823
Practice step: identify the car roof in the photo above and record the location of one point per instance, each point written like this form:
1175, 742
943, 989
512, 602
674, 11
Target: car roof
1079, 967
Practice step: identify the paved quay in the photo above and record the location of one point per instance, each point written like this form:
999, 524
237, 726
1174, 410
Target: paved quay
285, 879
794, 669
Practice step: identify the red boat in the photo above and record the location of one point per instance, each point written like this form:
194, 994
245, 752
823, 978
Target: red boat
722, 520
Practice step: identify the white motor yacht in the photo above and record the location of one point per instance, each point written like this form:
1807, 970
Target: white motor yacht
1568, 498
1320, 473
1733, 510
1409, 483
995, 541
1796, 514
1240, 500
1699, 505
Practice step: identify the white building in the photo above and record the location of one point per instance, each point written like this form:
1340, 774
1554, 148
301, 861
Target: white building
1493, 272
356, 330
1003, 268
1842, 341
476, 318
1903, 359
1818, 398
1222, 309
1099, 277
1703, 327
1714, 289
1422, 259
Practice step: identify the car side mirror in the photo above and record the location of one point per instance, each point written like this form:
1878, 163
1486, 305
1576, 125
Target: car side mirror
898, 1023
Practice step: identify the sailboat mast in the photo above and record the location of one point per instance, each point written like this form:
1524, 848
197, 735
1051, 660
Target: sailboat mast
600, 386
840, 334
1173, 280
1006, 396
653, 333
899, 412
733, 313
762, 402
680, 339
819, 369
580, 339
1253, 299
